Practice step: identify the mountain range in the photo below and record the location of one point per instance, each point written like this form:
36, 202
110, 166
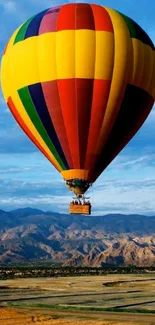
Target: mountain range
114, 239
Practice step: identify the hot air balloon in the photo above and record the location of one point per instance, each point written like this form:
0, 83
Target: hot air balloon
80, 81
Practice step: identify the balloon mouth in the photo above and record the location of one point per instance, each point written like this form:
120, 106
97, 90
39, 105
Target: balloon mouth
78, 186
77, 180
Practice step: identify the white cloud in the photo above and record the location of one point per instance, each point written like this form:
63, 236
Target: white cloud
9, 5
15, 170
110, 196
135, 196
134, 162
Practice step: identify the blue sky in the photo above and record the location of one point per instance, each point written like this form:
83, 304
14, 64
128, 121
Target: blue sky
28, 179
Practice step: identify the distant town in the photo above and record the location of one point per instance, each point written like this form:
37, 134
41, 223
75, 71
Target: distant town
34, 270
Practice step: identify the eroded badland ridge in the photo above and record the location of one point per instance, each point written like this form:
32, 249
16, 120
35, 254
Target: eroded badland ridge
114, 239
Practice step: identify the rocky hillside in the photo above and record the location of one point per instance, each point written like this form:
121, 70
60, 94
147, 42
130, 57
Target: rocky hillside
32, 235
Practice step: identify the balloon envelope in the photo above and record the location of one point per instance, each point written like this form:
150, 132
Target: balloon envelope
80, 81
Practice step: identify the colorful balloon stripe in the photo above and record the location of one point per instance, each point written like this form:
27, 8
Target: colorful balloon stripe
54, 105
137, 32
134, 110
21, 33
30, 108
55, 57
34, 25
102, 19
49, 21
40, 106
22, 124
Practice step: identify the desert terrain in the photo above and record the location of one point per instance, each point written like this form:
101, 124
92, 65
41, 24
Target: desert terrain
31, 235
112, 299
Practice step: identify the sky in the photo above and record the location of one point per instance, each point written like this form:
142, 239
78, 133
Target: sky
28, 179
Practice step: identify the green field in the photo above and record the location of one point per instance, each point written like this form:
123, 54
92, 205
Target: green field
118, 293
117, 298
